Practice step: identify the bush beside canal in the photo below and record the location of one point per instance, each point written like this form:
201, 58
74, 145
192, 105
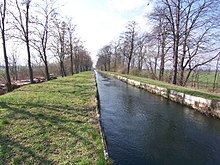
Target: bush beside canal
51, 123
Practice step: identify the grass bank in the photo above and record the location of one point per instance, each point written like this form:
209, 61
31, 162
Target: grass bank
189, 91
51, 123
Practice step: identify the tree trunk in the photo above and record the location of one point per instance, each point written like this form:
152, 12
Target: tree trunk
8, 84
109, 63
182, 68
9, 87
29, 63
175, 61
162, 59
16, 72
162, 63
161, 68
62, 69
47, 71
28, 45
181, 82
71, 59
44, 58
115, 63
187, 77
155, 68
129, 64
176, 44
216, 73
76, 61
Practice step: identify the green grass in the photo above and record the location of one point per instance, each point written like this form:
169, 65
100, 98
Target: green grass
51, 123
173, 87
206, 79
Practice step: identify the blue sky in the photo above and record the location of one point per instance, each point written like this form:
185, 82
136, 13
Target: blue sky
100, 21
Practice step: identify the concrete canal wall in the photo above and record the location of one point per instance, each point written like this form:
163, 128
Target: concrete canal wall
203, 105
106, 155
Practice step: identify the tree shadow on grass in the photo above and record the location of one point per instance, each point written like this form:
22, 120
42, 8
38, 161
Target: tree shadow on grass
55, 118
54, 109
7, 146
76, 84
60, 91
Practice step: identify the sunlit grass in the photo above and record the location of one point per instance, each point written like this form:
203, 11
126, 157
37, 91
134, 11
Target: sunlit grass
193, 92
51, 123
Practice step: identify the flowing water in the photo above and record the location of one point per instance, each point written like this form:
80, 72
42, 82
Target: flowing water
143, 128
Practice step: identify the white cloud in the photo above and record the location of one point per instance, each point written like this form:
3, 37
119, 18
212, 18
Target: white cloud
125, 5
100, 21
96, 27
149, 7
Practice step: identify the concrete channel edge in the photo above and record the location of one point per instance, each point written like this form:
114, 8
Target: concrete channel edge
206, 106
106, 155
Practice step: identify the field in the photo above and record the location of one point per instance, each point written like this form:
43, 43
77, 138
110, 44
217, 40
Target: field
202, 80
51, 123
206, 80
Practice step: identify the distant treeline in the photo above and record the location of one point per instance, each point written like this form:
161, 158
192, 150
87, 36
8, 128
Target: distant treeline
183, 39
37, 28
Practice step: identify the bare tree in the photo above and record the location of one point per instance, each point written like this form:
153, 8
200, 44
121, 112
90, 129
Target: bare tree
184, 38
161, 33
151, 56
101, 63
22, 21
141, 51
58, 45
104, 57
14, 64
3, 31
173, 16
191, 21
128, 42
116, 57
85, 60
72, 41
189, 24
77, 48
107, 53
47, 12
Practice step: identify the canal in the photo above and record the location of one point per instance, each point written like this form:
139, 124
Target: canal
143, 128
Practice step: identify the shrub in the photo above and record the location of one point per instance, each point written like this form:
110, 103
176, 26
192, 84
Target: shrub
122, 70
135, 72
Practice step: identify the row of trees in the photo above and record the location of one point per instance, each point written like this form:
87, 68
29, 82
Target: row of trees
183, 39
44, 33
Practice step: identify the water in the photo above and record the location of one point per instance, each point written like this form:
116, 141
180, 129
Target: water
142, 128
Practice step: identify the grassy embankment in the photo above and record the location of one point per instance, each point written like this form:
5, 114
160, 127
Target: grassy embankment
205, 79
51, 123
173, 87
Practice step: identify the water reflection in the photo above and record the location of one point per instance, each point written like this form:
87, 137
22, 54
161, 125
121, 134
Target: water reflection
142, 128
